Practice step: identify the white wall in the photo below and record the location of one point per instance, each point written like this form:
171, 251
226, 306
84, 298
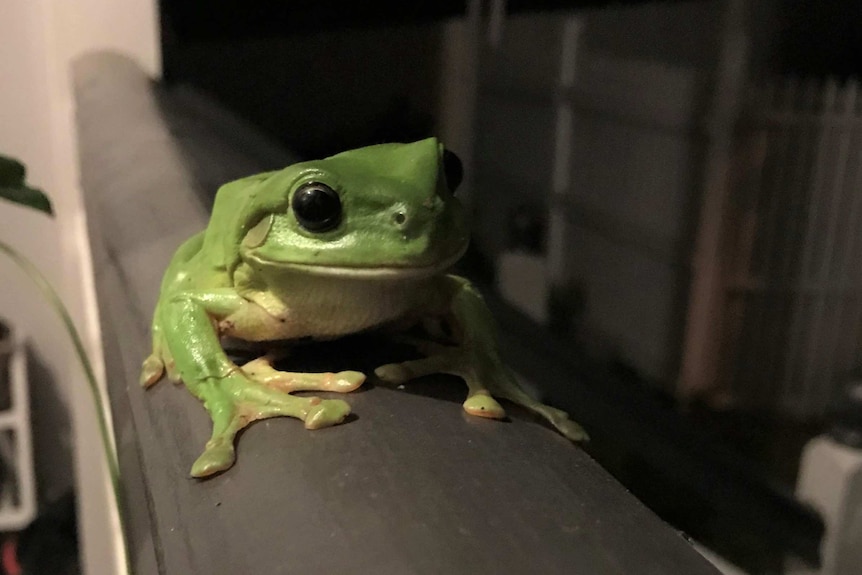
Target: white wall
40, 40
24, 131
126, 26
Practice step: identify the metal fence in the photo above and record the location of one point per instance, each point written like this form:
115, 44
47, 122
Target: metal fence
793, 247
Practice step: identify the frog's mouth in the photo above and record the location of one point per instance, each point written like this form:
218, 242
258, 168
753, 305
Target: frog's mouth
377, 272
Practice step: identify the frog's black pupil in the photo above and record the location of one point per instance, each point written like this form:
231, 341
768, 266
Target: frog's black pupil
453, 169
317, 207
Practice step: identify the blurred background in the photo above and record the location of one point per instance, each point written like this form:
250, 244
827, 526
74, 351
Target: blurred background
666, 208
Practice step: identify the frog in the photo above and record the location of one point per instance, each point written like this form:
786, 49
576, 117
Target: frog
360, 241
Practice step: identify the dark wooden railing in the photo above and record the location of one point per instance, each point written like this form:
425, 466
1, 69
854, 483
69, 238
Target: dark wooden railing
409, 485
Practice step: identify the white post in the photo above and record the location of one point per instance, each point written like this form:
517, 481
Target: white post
703, 326
561, 186
460, 67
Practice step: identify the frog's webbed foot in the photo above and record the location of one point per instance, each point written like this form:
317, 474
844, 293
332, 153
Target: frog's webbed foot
237, 400
261, 370
485, 379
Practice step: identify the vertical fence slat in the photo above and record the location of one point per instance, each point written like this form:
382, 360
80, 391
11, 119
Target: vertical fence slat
824, 360
850, 267
802, 136
797, 361
799, 315
767, 342
806, 103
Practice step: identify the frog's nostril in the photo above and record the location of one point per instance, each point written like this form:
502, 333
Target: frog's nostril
399, 218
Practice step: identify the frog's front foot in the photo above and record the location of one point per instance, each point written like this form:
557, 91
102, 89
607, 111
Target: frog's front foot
237, 400
151, 370
218, 456
325, 413
156, 365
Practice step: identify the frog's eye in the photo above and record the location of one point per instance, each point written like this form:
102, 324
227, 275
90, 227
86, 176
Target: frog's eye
453, 170
317, 207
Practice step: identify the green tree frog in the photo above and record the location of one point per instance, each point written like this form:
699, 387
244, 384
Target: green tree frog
319, 250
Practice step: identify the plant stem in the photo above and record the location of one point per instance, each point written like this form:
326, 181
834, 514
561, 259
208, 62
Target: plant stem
110, 456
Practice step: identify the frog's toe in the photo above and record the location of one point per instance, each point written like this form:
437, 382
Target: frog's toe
262, 371
151, 371
216, 458
326, 413
345, 381
483, 405
571, 430
394, 373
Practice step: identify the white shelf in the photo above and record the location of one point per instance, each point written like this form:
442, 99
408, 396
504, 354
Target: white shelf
18, 491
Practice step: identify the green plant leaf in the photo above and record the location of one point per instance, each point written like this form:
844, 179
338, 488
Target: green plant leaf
13, 187
57, 304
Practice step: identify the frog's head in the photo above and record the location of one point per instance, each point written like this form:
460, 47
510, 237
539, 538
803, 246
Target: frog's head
377, 211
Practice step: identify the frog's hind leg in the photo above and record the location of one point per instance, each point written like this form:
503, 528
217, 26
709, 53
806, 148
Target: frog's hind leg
234, 402
479, 401
506, 387
261, 370
475, 370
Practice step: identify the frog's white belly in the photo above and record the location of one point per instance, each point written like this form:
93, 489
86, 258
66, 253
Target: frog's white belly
334, 308
324, 307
